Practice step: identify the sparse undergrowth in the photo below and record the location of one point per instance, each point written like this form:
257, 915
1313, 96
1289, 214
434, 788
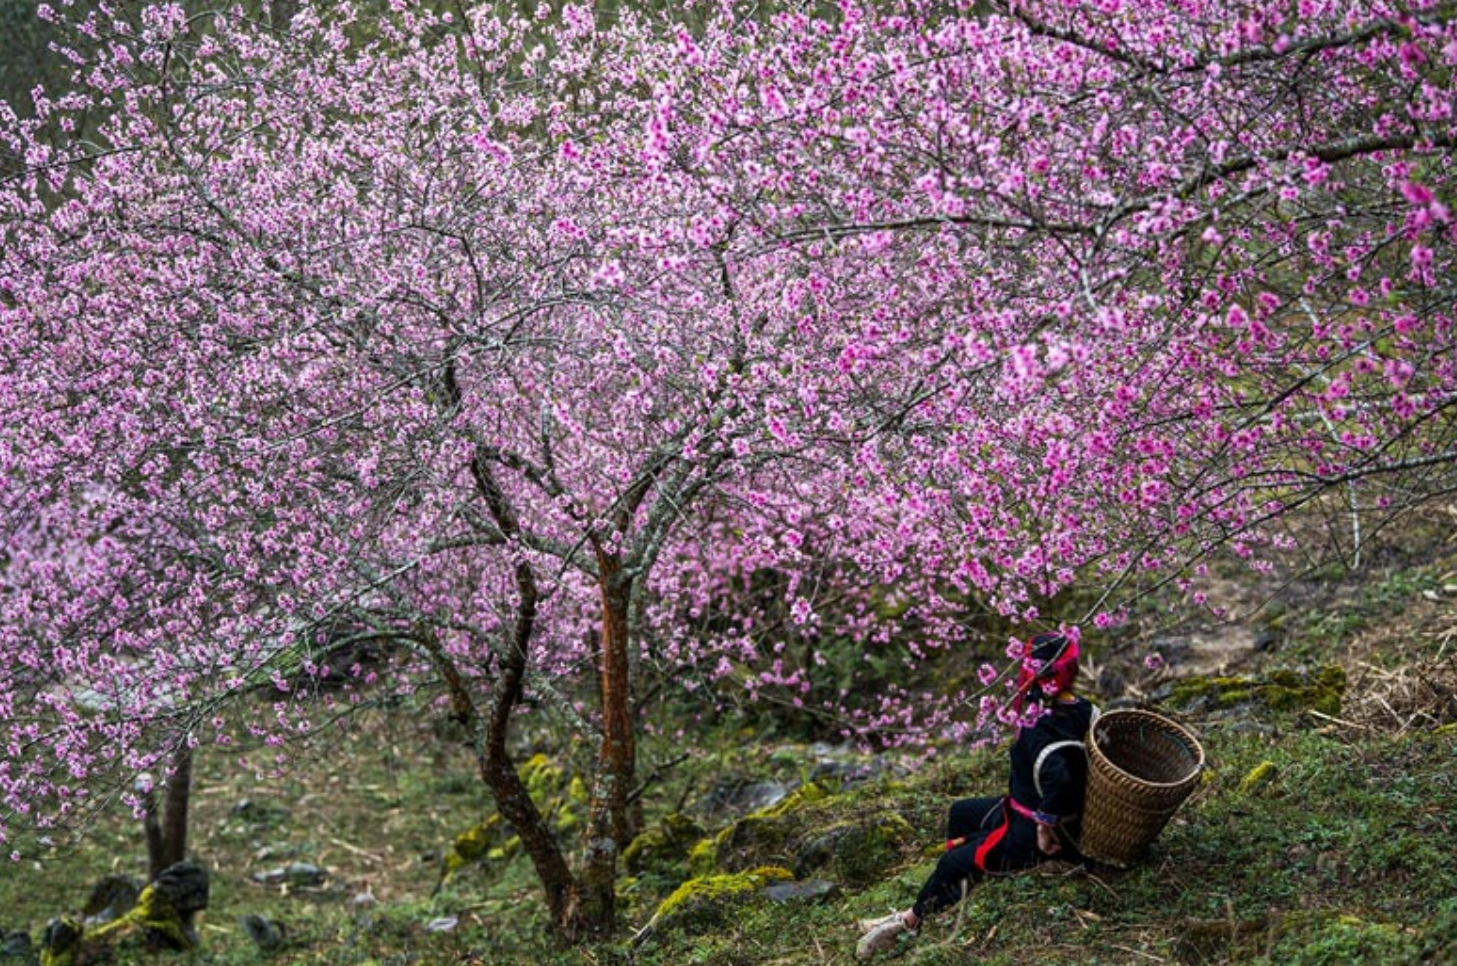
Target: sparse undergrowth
1321, 835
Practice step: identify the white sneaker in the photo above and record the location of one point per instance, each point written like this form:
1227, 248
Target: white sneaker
882, 936
865, 925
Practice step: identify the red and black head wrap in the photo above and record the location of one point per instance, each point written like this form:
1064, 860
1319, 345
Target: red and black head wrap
1049, 662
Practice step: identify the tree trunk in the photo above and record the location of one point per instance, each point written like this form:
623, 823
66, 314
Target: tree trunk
498, 770
609, 825
167, 833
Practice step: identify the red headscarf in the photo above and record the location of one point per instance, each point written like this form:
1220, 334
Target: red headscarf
1051, 662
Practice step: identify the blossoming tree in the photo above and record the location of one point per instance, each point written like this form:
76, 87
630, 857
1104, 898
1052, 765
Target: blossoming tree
514, 341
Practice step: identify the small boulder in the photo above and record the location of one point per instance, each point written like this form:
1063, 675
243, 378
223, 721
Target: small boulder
737, 796
267, 935
16, 950
709, 901
185, 888
259, 813
60, 938
111, 898
810, 890
302, 875
857, 852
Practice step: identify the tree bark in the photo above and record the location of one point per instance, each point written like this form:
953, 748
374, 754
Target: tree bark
499, 772
167, 833
493, 755
609, 825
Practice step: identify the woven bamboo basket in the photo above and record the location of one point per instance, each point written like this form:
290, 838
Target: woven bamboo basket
1141, 767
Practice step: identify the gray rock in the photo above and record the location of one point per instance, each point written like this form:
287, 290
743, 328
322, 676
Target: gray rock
301, 874
16, 950
111, 898
259, 813
185, 886
278, 852
60, 936
844, 775
266, 934
737, 796
811, 890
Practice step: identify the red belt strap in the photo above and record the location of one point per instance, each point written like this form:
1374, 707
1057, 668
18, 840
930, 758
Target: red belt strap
983, 851
1026, 812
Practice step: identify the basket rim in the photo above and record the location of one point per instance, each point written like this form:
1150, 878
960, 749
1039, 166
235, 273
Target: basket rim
1104, 760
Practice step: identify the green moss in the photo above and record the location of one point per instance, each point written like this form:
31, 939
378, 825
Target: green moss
153, 916
857, 851
709, 900
665, 844
1282, 690
1259, 776
542, 777
703, 856
1343, 939
805, 794
474, 844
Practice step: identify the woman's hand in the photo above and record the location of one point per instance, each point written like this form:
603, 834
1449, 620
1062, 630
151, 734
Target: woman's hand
1047, 840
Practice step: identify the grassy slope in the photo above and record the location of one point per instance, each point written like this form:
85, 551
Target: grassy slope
1343, 854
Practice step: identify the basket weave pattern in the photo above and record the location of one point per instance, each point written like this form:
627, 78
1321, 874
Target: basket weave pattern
1141, 768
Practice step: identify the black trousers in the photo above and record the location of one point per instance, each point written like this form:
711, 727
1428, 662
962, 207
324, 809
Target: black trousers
976, 820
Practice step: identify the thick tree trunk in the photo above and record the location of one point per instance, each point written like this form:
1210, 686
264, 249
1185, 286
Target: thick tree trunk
609, 827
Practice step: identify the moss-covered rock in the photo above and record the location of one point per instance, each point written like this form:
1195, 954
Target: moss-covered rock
858, 851
1259, 777
1283, 690
761, 838
153, 914
59, 942
543, 777
663, 847
811, 832
708, 901
560, 796
482, 842
155, 919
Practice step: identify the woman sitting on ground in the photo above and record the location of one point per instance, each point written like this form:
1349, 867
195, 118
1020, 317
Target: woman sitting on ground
1036, 819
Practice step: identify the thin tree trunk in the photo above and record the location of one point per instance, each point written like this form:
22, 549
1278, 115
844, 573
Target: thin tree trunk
501, 776
167, 833
493, 756
609, 825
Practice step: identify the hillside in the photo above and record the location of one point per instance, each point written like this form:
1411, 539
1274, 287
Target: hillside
1321, 833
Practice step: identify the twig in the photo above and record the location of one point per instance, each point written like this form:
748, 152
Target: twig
1100, 883
1380, 672
1139, 952
1392, 711
356, 850
1339, 721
